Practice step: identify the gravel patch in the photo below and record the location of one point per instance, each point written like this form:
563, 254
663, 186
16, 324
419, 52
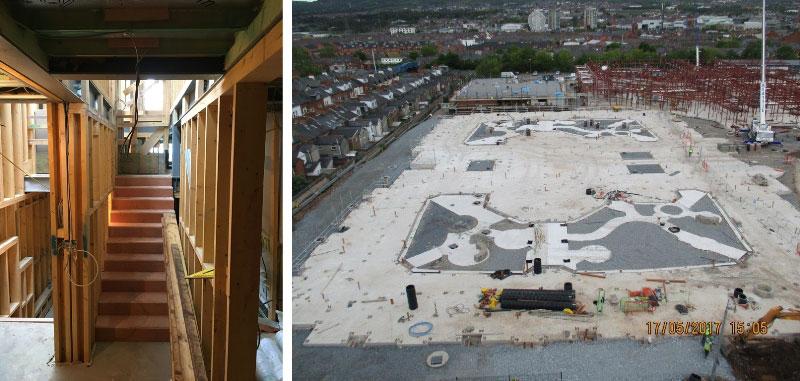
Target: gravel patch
645, 209
671, 209
641, 245
593, 221
792, 199
643, 155
480, 165
635, 169
437, 221
497, 258
705, 204
482, 132
507, 224
721, 233
571, 131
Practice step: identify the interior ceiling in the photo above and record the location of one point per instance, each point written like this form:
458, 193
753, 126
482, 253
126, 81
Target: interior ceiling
110, 36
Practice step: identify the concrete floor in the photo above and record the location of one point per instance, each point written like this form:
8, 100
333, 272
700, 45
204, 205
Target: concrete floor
352, 287
26, 353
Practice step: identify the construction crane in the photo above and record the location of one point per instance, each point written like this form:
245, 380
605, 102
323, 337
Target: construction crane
760, 131
773, 314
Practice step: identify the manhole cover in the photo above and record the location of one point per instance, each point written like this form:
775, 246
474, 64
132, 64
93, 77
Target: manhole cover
437, 359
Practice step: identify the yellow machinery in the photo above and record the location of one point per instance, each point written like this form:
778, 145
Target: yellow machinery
773, 314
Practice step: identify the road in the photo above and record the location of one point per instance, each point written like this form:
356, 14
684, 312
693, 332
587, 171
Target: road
671, 358
323, 217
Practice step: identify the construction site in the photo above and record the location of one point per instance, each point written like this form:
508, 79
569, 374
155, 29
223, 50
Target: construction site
664, 212
140, 190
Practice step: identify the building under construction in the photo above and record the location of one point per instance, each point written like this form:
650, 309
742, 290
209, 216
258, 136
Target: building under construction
724, 91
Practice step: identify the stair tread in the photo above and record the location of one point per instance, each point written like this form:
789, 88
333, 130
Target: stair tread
143, 198
133, 297
142, 210
133, 321
134, 276
145, 186
135, 257
143, 176
134, 224
135, 239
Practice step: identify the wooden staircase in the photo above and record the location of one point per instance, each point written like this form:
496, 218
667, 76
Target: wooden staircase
133, 297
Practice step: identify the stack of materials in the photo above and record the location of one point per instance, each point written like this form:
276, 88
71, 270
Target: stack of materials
523, 299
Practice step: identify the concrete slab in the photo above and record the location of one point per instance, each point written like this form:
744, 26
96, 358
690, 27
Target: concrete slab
26, 353
542, 178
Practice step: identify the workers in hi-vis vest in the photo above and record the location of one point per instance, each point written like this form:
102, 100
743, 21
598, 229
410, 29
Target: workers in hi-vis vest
707, 341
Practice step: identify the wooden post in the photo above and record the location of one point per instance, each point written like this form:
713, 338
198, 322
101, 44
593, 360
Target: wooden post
244, 243
222, 204
272, 217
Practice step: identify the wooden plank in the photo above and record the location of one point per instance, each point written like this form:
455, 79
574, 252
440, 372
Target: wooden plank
53, 137
5, 120
20, 198
18, 129
244, 243
187, 359
210, 180
7, 138
199, 203
224, 129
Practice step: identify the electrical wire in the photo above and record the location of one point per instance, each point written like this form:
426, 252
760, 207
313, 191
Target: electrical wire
68, 265
126, 143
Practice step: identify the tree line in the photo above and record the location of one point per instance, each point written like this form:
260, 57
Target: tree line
527, 59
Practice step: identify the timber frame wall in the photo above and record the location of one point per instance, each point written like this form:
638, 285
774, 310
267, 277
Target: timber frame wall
83, 161
230, 210
24, 222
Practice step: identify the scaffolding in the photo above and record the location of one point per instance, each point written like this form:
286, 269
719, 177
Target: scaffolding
725, 91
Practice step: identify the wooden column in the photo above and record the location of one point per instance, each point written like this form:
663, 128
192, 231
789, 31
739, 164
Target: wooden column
271, 219
244, 243
221, 204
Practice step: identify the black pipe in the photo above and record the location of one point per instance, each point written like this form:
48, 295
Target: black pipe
544, 295
537, 305
411, 294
